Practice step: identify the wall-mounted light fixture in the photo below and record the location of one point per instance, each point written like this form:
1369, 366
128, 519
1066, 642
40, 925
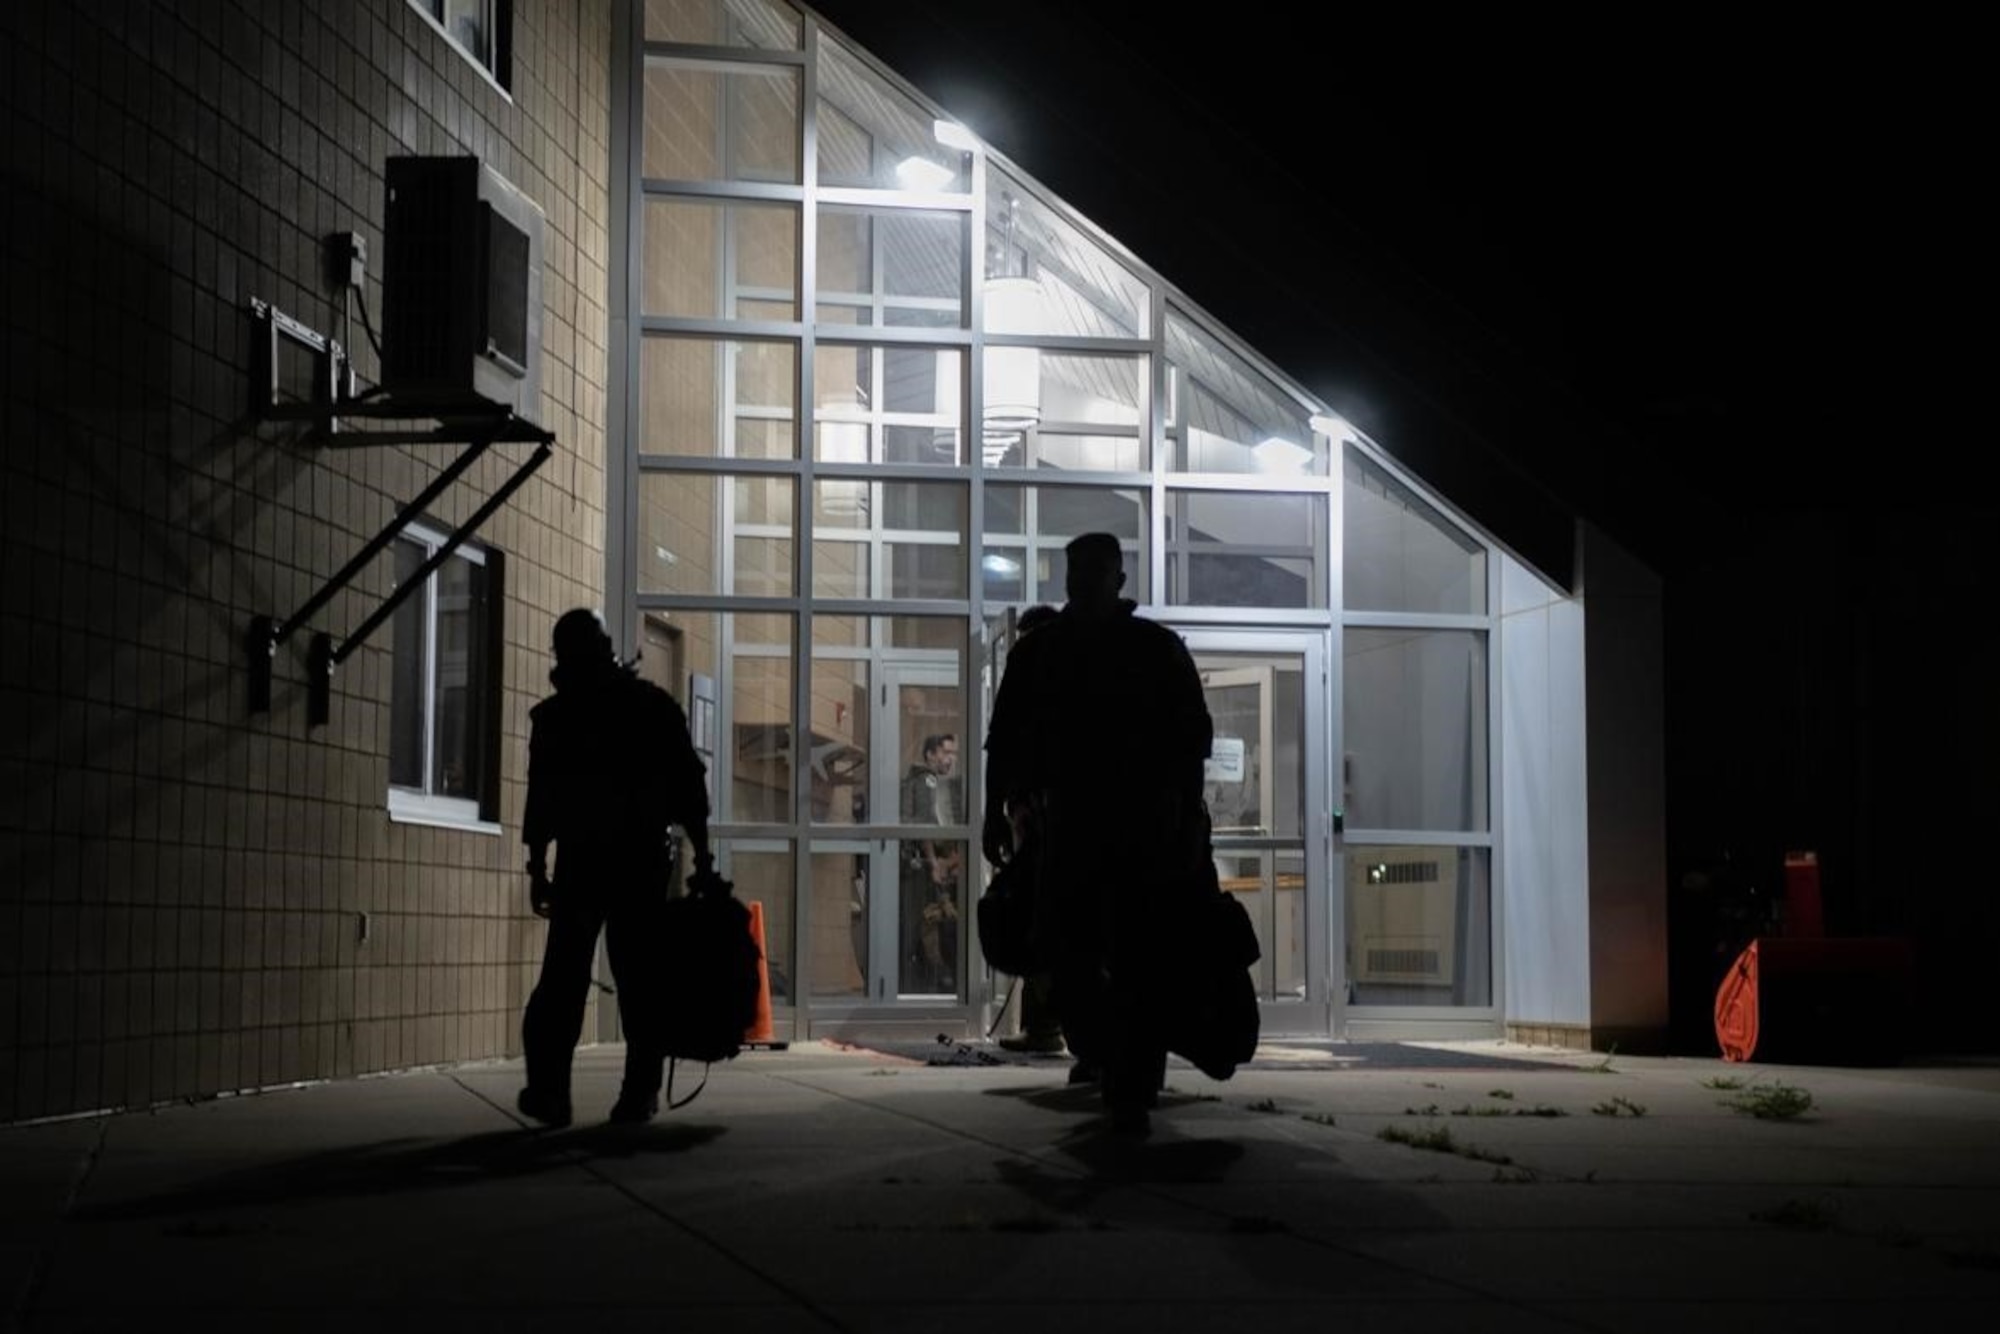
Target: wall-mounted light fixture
953, 135
1336, 428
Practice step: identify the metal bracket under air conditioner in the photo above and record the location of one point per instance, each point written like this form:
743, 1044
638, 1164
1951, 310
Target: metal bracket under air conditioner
476, 424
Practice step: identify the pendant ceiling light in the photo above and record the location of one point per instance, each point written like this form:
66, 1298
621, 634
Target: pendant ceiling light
1013, 374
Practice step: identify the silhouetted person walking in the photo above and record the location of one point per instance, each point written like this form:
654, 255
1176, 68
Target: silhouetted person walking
610, 767
1041, 1023
1100, 729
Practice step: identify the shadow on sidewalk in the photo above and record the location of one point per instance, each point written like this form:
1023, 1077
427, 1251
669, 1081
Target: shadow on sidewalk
399, 1165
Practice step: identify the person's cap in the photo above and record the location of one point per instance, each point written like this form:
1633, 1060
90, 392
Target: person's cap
580, 635
1095, 551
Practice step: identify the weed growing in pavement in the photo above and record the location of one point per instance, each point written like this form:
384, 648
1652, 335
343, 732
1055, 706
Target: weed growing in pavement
1438, 1139
1539, 1109
1619, 1107
1771, 1102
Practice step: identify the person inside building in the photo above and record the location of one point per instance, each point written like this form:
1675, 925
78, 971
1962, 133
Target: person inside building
611, 769
931, 794
1100, 729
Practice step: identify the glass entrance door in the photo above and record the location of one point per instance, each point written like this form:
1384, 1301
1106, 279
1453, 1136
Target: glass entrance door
1266, 790
916, 901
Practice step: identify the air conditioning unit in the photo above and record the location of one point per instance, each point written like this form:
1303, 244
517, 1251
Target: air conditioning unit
1402, 912
461, 289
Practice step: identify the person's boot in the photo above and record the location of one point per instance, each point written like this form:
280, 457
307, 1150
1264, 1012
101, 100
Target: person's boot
1035, 1044
1130, 1119
639, 1090
550, 1109
633, 1109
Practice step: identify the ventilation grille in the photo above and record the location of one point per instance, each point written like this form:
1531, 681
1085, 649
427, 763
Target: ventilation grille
1415, 963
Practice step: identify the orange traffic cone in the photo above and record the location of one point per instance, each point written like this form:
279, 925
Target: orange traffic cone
759, 1033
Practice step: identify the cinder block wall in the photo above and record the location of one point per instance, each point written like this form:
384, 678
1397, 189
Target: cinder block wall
181, 879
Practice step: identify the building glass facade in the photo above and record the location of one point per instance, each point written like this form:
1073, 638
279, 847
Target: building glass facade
834, 506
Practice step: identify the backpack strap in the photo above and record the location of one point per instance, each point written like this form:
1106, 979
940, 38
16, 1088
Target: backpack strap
673, 1106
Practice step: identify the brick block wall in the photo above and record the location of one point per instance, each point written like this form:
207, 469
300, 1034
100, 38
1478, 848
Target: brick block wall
183, 878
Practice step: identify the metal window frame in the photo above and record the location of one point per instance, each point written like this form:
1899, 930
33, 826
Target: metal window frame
424, 804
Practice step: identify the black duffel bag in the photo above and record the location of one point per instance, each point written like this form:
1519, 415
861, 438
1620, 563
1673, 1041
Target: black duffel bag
708, 977
1006, 918
1212, 1017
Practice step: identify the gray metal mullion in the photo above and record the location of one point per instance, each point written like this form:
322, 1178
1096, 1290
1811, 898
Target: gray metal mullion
1276, 618
721, 330
621, 529
1400, 620
721, 604
707, 465
877, 297
1250, 481
1123, 349
893, 472
867, 335
770, 192
972, 390
429, 600
1156, 442
1103, 481
1423, 838
724, 59
888, 607
1057, 426
807, 278
1259, 550
894, 201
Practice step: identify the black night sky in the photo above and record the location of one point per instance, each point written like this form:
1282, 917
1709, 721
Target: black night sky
1679, 264
1703, 279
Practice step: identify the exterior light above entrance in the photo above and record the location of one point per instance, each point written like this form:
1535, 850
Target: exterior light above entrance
1336, 426
920, 173
953, 135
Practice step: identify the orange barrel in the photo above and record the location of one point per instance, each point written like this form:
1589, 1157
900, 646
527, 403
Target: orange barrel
759, 1033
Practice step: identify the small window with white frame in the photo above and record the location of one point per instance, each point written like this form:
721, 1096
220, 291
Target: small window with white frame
444, 712
482, 29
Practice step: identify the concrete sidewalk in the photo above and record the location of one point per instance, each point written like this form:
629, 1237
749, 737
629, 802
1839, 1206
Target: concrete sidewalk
827, 1188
